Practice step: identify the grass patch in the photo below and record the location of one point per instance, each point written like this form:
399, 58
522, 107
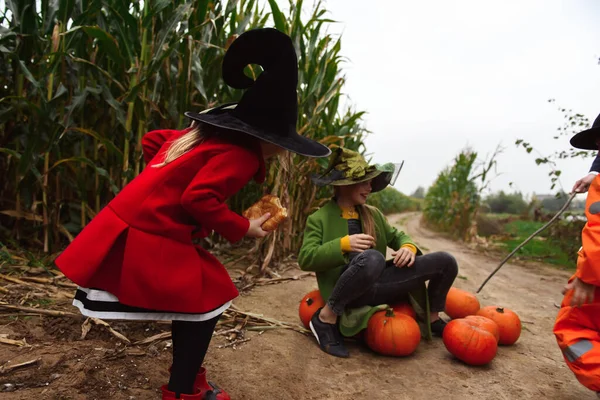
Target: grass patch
540, 248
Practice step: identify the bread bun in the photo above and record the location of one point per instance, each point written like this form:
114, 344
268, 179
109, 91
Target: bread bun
267, 204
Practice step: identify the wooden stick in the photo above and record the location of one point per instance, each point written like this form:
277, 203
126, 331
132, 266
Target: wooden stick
227, 331
4, 369
52, 313
272, 321
18, 343
160, 336
51, 281
118, 335
233, 343
18, 281
558, 214
4, 290
262, 282
20, 315
238, 328
263, 327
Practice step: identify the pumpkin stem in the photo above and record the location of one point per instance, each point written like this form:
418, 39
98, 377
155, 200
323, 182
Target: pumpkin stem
500, 310
389, 312
309, 301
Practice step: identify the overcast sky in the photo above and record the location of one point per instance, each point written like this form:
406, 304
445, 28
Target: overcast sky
436, 76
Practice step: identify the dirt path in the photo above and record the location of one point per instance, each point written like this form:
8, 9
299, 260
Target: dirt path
287, 365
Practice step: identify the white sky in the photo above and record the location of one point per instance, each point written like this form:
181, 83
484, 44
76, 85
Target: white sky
436, 76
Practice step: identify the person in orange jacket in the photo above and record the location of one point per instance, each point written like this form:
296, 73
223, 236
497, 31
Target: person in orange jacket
577, 327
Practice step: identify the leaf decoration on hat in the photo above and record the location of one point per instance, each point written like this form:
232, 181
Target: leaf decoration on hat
352, 164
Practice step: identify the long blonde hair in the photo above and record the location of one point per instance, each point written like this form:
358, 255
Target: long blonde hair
366, 216
183, 144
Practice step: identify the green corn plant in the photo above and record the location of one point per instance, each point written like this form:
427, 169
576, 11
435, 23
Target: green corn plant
81, 81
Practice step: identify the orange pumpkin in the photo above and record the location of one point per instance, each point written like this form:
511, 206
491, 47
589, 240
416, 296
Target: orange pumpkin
392, 334
485, 324
469, 342
460, 303
406, 309
309, 305
509, 324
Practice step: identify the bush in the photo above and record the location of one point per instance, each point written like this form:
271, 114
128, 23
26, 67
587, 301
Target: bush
503, 203
567, 236
390, 201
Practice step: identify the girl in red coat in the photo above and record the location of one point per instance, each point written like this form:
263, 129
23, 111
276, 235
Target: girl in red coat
136, 259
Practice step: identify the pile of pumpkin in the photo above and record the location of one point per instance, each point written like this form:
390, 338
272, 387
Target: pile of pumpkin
472, 336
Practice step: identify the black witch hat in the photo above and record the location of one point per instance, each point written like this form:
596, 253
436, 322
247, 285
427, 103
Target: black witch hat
268, 108
586, 140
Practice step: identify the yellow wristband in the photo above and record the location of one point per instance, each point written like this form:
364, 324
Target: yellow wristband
410, 247
345, 242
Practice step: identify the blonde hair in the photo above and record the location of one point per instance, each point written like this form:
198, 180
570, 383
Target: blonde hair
183, 144
366, 216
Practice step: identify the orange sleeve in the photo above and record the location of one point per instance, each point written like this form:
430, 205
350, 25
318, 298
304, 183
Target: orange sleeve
345, 243
588, 261
410, 247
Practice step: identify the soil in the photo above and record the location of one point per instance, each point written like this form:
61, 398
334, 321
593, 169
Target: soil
285, 364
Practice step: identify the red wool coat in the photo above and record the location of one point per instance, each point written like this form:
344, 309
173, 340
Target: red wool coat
139, 247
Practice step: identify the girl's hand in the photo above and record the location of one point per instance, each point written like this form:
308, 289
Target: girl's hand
255, 230
582, 185
403, 258
361, 242
582, 292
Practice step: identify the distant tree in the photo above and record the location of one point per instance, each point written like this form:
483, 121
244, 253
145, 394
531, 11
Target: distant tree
506, 203
419, 193
554, 203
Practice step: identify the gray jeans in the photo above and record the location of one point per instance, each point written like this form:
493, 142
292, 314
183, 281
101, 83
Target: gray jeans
370, 280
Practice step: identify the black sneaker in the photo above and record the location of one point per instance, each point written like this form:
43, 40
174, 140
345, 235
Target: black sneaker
437, 327
328, 336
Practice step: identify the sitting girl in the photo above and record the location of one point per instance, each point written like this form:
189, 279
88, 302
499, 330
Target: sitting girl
345, 243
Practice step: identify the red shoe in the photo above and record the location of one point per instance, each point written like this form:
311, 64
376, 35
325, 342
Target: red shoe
209, 389
168, 395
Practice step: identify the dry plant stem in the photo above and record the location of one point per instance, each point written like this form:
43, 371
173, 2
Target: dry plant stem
160, 336
18, 343
52, 313
4, 369
233, 343
558, 214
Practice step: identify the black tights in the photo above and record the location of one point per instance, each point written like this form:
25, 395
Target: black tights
190, 343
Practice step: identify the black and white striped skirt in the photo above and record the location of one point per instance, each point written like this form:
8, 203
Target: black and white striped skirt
104, 305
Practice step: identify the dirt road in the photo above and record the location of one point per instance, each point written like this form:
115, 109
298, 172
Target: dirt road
281, 364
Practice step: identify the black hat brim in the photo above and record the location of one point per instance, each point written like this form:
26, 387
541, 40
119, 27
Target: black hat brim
292, 141
586, 140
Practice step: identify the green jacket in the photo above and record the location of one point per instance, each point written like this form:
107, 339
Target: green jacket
322, 252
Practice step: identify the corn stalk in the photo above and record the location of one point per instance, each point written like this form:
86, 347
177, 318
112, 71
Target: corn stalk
81, 81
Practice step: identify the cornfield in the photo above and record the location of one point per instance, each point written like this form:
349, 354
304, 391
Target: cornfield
452, 201
81, 81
